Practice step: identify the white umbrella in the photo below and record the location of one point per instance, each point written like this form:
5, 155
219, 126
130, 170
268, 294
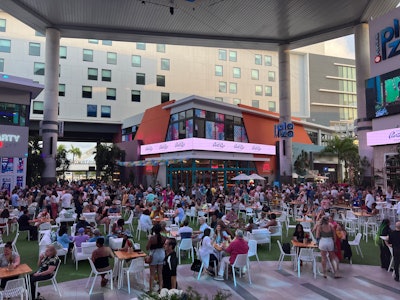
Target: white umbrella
255, 176
241, 177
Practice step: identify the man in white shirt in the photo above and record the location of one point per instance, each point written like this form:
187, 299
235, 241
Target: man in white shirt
369, 199
185, 231
66, 200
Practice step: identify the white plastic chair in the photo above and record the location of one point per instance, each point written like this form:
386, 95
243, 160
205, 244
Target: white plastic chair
129, 222
14, 242
283, 254
97, 273
249, 212
4, 225
192, 213
53, 280
228, 207
306, 226
28, 232
186, 244
262, 236
276, 230
136, 267
370, 227
306, 255
43, 228
15, 288
252, 249
241, 262
356, 244
84, 252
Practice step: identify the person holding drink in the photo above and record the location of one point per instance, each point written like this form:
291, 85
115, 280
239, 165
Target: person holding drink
9, 259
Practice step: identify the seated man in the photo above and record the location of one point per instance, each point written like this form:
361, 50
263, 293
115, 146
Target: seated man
237, 246
23, 223
185, 231
48, 262
271, 222
100, 258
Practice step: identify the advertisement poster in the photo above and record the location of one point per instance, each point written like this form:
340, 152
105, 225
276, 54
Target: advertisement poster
7, 165
20, 167
20, 181
6, 184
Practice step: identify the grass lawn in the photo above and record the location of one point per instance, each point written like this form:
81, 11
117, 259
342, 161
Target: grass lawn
29, 254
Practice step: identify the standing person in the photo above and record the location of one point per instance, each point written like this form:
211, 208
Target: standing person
326, 234
155, 245
170, 265
100, 258
394, 241
9, 259
384, 230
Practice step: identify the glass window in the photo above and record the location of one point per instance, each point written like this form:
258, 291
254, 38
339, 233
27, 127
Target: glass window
268, 90
164, 97
86, 92
106, 42
254, 74
141, 46
255, 103
236, 101
1, 64
92, 41
165, 64
271, 76
38, 107
160, 80
63, 52
87, 55
267, 60
258, 59
140, 78
161, 48
236, 72
2, 25
105, 75
220, 99
92, 73
136, 61
272, 106
259, 90
219, 70
38, 33
91, 110
232, 87
34, 49
222, 87
61, 90
38, 68
232, 55
111, 94
221, 54
111, 58
5, 46
106, 111
135, 96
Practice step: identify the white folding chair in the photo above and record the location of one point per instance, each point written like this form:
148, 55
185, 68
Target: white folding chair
15, 288
283, 254
96, 273
252, 249
306, 255
53, 280
186, 245
356, 244
241, 262
136, 267
4, 225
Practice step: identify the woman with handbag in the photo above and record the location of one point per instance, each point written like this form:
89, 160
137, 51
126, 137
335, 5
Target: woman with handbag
156, 256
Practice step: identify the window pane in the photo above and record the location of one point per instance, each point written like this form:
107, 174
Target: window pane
61, 90
87, 55
38, 107
272, 106
268, 90
63, 52
255, 103
92, 74
220, 99
106, 75
140, 78
111, 94
2, 25
268, 60
232, 56
221, 54
34, 49
258, 59
107, 42
93, 41
236, 101
38, 68
111, 58
271, 76
165, 64
232, 88
259, 90
86, 92
5, 46
105, 111
161, 48
236, 73
1, 65
91, 110
164, 97
254, 74
141, 46
219, 70
38, 33
222, 87
135, 96
136, 61
160, 80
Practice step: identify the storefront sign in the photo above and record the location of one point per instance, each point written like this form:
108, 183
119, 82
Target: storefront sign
206, 145
383, 137
13, 141
284, 130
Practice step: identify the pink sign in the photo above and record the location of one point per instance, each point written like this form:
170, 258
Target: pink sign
206, 145
383, 137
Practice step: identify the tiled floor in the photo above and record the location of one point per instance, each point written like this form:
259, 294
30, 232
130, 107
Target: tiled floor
358, 282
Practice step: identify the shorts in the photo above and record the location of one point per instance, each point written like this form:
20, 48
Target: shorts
158, 256
326, 244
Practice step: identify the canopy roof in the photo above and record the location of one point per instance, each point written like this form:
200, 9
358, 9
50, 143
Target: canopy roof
255, 24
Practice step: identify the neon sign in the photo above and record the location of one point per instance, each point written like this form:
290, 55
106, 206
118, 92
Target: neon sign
9, 138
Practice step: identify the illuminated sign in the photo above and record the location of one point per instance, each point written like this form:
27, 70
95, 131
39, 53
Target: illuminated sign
13, 141
383, 137
9, 138
284, 130
206, 145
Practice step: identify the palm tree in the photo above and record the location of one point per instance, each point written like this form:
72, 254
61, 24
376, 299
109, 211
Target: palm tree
35, 163
75, 151
62, 162
105, 157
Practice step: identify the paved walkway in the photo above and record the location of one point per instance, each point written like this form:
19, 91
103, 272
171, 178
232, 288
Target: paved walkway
358, 282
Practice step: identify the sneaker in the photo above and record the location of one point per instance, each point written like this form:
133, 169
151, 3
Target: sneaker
210, 272
219, 278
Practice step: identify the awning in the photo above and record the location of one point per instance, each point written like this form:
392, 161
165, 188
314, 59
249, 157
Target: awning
150, 162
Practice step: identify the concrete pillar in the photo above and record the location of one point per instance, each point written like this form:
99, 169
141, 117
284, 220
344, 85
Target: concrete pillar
364, 125
319, 137
50, 114
285, 112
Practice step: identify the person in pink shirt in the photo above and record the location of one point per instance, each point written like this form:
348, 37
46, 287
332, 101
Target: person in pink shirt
80, 237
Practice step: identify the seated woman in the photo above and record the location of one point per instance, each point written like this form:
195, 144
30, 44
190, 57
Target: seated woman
117, 228
231, 216
43, 217
127, 241
63, 238
9, 259
145, 221
157, 212
220, 235
100, 258
374, 210
207, 252
251, 225
47, 263
299, 234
